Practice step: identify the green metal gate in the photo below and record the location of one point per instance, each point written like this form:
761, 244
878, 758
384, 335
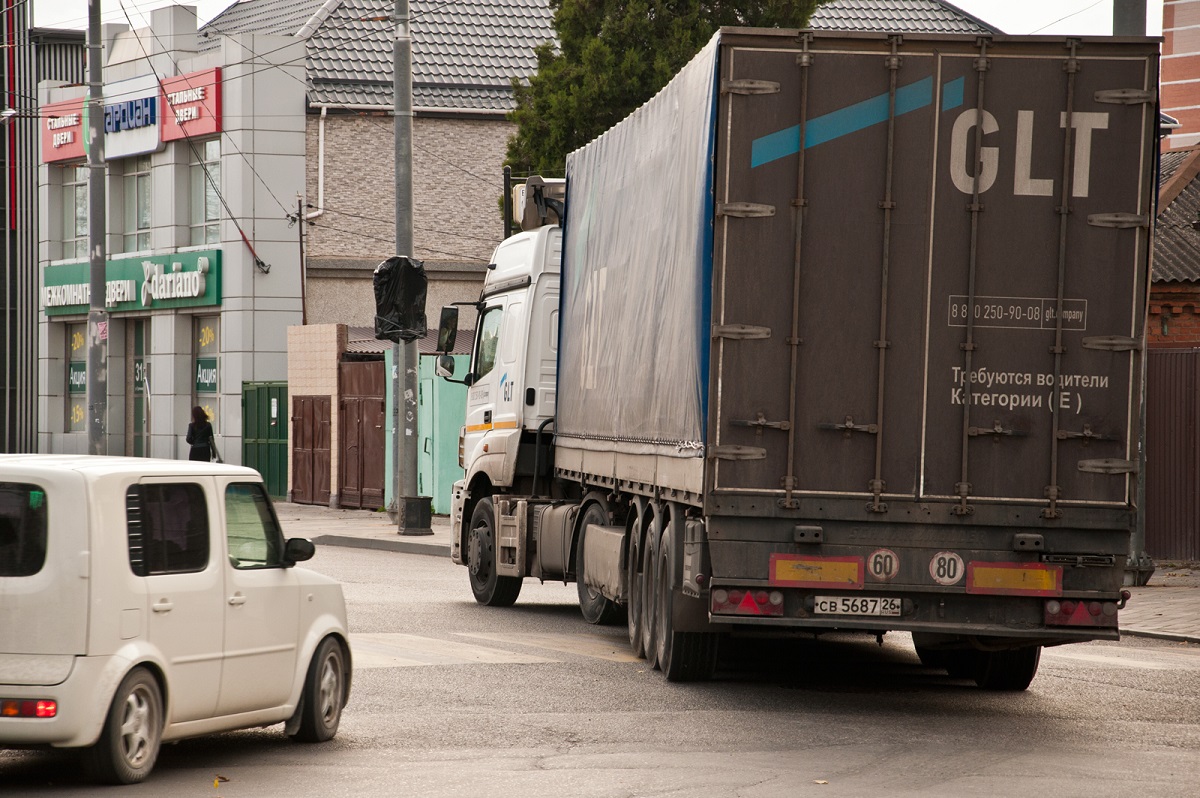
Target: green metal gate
265, 433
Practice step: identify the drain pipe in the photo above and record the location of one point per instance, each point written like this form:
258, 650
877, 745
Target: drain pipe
320, 168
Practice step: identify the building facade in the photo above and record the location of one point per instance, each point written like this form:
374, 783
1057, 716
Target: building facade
204, 156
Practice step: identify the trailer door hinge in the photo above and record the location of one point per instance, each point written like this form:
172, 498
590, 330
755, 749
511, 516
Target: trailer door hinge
1108, 465
737, 453
1125, 96
1112, 343
848, 426
749, 86
761, 422
740, 332
1086, 434
1118, 220
745, 210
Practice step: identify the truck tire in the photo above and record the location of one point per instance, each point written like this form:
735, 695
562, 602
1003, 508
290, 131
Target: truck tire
132, 734
649, 591
633, 586
595, 607
489, 587
682, 656
1011, 670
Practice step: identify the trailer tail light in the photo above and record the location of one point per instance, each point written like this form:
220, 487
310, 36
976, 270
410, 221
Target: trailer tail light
1071, 612
28, 708
733, 601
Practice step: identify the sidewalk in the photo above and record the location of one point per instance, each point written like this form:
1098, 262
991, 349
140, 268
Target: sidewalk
1167, 608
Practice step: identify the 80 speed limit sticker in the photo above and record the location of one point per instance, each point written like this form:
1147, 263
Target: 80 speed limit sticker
946, 568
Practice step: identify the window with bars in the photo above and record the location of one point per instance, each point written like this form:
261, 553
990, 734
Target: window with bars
206, 182
137, 203
74, 211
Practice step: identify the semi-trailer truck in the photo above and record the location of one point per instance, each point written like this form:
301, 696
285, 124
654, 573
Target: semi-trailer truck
836, 332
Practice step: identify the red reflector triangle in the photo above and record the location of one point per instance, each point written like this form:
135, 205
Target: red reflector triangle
749, 606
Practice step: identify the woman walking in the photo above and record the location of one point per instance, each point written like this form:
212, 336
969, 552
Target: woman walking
200, 436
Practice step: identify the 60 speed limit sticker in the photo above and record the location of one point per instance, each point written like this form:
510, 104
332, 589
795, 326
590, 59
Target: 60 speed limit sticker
946, 568
883, 565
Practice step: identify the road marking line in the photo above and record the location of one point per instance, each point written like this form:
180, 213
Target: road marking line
395, 650
584, 645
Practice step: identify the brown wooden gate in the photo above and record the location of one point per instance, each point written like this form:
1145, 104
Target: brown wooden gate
311, 449
1173, 455
361, 435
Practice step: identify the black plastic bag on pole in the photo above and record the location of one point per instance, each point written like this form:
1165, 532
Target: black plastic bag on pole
400, 288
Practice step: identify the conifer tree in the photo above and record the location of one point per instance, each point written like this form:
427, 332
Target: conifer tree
613, 55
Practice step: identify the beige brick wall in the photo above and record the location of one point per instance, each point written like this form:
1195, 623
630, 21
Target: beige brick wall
457, 184
313, 354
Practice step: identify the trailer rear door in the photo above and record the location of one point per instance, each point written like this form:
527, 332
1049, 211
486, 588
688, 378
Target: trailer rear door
929, 268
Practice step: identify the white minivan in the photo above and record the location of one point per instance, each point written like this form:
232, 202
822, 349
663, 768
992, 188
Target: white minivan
144, 601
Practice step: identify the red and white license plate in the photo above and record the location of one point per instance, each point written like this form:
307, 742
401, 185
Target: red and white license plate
856, 605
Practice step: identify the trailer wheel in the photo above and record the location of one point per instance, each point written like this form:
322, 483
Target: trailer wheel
682, 656
592, 603
488, 586
1007, 670
633, 584
649, 589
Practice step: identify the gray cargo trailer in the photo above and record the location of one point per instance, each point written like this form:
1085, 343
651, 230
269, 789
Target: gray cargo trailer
850, 337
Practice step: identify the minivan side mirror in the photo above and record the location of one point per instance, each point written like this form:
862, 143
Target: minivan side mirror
298, 550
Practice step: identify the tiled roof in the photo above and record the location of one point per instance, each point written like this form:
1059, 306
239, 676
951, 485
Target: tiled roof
897, 16
258, 16
1176, 242
465, 53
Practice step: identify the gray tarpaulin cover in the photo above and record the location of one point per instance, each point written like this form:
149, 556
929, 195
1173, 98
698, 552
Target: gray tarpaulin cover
633, 356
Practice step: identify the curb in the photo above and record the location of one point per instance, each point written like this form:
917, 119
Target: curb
403, 546
1171, 636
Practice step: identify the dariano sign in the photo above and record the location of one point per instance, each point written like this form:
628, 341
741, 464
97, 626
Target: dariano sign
183, 279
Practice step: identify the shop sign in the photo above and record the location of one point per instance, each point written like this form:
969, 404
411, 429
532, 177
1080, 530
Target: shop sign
206, 375
180, 280
131, 117
191, 105
62, 131
77, 377
140, 367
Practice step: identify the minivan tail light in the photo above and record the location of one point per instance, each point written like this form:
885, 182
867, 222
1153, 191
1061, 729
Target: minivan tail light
28, 708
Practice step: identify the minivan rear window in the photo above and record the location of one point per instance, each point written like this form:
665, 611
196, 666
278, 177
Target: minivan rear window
22, 529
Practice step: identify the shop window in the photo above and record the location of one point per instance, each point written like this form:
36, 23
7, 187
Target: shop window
205, 369
206, 183
74, 211
137, 203
77, 348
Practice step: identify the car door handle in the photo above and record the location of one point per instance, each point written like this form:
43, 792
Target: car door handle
163, 605
237, 599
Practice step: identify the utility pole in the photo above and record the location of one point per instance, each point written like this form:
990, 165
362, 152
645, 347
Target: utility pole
412, 511
97, 356
1129, 17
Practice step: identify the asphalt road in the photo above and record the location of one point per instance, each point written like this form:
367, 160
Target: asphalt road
454, 699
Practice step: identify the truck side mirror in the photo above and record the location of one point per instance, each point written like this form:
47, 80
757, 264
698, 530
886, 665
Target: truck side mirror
444, 366
447, 332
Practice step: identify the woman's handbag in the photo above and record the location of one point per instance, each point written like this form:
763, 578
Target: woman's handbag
212, 445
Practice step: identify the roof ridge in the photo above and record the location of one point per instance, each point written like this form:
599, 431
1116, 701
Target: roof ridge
1184, 174
317, 19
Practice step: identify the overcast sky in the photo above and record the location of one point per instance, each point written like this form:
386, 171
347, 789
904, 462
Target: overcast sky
1092, 17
